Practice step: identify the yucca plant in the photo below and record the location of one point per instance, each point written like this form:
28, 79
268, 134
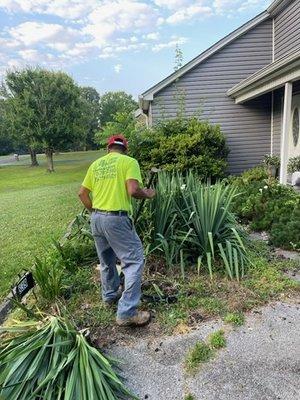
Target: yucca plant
191, 218
215, 230
48, 274
51, 360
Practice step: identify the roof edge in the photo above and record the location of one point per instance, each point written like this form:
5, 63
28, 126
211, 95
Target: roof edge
148, 94
277, 6
263, 72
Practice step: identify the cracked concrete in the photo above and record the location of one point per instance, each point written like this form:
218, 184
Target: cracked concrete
260, 362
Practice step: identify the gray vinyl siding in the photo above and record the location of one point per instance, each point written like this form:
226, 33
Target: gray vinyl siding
287, 30
247, 127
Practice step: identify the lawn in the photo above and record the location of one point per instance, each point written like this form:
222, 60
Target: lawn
36, 207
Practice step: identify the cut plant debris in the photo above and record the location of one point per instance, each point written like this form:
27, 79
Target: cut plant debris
51, 360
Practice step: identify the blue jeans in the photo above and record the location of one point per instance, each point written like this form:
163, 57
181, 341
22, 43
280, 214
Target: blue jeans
115, 237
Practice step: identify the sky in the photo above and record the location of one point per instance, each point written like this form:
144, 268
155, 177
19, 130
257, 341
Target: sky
115, 44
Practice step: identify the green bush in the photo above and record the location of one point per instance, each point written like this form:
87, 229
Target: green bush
294, 164
267, 205
180, 145
286, 232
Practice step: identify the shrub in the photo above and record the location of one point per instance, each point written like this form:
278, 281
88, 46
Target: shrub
286, 232
182, 144
267, 205
294, 164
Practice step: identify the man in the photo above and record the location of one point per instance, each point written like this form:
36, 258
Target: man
113, 180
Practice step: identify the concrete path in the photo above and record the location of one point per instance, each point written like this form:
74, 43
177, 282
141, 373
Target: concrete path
261, 360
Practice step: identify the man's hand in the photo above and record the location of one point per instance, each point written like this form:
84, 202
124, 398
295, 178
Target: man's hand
134, 190
150, 193
84, 195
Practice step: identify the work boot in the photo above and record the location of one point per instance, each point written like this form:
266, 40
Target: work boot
141, 318
111, 302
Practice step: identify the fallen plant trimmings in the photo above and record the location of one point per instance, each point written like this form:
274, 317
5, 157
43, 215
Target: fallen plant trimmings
50, 360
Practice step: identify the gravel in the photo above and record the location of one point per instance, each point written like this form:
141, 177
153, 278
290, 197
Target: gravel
260, 362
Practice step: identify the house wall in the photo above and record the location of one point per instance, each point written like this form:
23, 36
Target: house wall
287, 30
247, 127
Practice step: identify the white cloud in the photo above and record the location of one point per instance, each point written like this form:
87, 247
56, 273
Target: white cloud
113, 50
119, 16
189, 13
30, 55
152, 36
31, 33
172, 43
68, 9
227, 7
117, 68
171, 4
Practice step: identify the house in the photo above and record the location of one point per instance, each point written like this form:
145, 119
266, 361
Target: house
248, 83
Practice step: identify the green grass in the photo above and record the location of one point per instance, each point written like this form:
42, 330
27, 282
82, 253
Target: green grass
197, 355
189, 397
235, 318
217, 339
36, 207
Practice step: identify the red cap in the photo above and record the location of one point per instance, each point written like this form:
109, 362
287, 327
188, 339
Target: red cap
117, 139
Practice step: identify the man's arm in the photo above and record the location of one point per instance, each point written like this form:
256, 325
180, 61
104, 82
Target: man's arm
84, 195
134, 190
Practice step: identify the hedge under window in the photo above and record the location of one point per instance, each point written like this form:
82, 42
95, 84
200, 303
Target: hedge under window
296, 126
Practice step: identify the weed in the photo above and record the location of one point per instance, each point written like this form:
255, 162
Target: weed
266, 279
217, 339
235, 318
197, 355
189, 397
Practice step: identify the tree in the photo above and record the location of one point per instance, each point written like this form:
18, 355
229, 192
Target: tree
6, 142
123, 123
115, 102
45, 108
92, 97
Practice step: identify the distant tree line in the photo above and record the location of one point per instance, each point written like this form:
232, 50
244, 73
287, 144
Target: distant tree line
47, 111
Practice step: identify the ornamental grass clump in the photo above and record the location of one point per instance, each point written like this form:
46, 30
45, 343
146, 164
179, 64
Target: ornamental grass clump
51, 360
190, 222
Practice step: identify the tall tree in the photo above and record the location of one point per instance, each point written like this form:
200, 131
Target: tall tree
92, 97
122, 123
6, 142
45, 108
112, 103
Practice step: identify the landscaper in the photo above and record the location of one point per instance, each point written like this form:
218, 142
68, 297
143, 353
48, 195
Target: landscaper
112, 180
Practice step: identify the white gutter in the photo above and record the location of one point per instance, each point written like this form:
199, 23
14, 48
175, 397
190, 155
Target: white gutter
276, 69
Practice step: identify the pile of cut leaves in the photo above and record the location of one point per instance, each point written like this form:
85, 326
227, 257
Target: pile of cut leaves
51, 360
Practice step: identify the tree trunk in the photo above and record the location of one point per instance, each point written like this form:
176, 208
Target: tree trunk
34, 162
49, 156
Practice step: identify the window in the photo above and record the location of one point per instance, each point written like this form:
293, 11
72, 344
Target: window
296, 127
